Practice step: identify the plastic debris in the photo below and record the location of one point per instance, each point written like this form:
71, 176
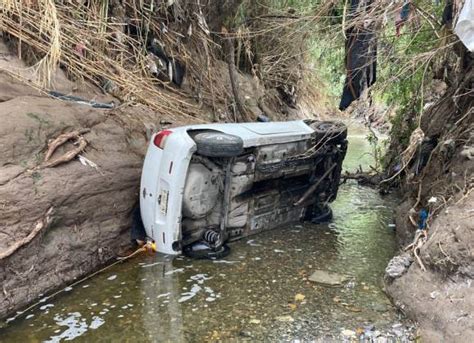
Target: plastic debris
423, 218
76, 99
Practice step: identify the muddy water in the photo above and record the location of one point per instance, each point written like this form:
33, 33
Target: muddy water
260, 292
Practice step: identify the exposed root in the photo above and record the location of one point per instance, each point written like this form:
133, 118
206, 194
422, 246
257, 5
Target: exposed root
61, 139
416, 251
420, 239
68, 156
40, 225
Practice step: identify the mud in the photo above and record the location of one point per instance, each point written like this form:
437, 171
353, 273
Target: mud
85, 211
441, 298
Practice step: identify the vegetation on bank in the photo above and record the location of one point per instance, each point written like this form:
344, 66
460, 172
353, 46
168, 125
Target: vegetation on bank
294, 49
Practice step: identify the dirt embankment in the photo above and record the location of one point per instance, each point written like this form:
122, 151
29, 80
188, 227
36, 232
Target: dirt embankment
60, 223
80, 214
441, 298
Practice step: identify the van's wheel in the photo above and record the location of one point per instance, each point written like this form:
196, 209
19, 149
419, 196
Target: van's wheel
319, 214
199, 252
217, 144
330, 130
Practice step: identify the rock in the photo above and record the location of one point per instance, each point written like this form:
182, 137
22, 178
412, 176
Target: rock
245, 333
299, 297
398, 266
287, 319
328, 278
348, 333
378, 307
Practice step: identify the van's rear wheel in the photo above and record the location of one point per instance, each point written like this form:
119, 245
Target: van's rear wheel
330, 130
218, 144
206, 253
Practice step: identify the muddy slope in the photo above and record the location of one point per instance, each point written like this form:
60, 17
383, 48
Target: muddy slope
82, 213
441, 298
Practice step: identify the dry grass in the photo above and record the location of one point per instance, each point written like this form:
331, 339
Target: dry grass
93, 47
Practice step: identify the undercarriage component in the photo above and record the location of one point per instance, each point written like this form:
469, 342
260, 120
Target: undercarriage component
261, 188
200, 192
211, 236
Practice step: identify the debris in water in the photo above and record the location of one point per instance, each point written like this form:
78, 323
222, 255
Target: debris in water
179, 270
29, 316
225, 262
163, 295
113, 277
328, 278
151, 265
68, 289
278, 251
254, 321
287, 319
252, 243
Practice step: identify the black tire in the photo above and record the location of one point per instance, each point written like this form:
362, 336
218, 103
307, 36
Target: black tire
207, 254
218, 144
330, 130
319, 214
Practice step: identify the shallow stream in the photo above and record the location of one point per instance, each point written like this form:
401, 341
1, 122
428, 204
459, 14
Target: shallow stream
260, 292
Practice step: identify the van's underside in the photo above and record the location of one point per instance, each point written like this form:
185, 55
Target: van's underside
262, 188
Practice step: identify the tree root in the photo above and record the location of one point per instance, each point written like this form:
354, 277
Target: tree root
420, 239
81, 143
40, 225
61, 139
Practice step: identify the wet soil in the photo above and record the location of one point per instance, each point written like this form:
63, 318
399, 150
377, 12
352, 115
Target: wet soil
260, 292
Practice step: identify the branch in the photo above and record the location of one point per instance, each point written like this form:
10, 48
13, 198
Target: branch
40, 225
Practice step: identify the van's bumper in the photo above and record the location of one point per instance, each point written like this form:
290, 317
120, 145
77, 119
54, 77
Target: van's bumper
161, 189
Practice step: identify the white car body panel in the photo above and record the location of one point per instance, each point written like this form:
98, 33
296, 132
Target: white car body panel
162, 222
